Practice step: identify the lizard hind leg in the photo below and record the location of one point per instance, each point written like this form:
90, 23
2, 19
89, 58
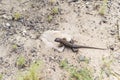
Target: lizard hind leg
72, 41
74, 50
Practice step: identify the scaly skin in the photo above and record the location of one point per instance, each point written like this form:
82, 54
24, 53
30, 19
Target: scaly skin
74, 47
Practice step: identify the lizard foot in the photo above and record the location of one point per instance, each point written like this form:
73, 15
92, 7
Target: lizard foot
74, 50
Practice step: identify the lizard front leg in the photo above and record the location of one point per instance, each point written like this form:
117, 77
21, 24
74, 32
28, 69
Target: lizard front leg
61, 45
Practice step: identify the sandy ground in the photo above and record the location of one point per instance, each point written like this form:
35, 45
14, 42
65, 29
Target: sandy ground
80, 19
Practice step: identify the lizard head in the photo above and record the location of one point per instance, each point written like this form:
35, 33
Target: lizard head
59, 39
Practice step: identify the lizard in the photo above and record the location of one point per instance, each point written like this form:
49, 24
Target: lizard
70, 44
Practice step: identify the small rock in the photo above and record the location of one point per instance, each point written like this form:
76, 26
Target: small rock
24, 32
72, 1
51, 59
112, 32
33, 36
33, 51
8, 24
1, 59
86, 0
81, 58
117, 57
113, 47
8, 17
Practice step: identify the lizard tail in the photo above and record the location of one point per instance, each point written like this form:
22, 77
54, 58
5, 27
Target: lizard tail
91, 47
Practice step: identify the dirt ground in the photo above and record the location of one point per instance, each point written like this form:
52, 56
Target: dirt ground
22, 22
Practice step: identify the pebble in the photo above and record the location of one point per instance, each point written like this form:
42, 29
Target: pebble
8, 17
81, 58
1, 59
72, 1
117, 57
8, 24
113, 32
24, 32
